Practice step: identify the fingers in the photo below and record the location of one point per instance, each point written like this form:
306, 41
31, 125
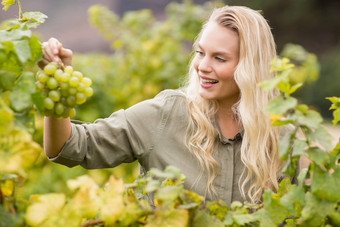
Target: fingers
66, 56
53, 51
55, 46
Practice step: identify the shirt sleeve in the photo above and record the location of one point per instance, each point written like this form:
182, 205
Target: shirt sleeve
125, 136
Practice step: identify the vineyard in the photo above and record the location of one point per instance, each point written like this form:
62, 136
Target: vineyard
36, 192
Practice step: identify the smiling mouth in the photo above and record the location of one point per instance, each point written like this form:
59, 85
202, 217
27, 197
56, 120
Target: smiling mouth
206, 81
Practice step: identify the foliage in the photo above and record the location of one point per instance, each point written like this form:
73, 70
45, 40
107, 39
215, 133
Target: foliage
149, 55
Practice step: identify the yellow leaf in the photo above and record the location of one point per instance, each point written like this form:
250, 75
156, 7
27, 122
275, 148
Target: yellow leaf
7, 4
7, 187
44, 206
112, 207
274, 117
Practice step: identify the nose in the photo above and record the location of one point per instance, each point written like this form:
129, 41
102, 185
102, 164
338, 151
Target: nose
204, 64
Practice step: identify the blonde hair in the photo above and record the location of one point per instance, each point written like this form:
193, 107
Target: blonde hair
259, 149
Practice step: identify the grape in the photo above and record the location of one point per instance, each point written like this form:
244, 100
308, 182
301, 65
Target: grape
78, 74
72, 90
80, 98
88, 92
58, 75
72, 112
59, 108
71, 101
40, 85
73, 82
62, 89
68, 69
86, 81
65, 77
81, 87
52, 83
48, 103
50, 68
64, 86
42, 77
54, 95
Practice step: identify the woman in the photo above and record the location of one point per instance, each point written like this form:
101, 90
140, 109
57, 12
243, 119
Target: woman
214, 129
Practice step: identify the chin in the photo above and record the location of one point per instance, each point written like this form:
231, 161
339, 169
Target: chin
206, 96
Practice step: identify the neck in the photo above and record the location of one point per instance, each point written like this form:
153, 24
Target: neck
227, 120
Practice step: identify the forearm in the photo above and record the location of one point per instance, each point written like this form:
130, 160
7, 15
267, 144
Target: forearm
56, 133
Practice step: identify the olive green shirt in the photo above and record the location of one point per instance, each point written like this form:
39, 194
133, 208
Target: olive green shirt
153, 132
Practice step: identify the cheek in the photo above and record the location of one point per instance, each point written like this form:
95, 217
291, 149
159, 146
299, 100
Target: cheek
195, 63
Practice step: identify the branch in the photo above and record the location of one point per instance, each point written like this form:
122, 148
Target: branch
93, 222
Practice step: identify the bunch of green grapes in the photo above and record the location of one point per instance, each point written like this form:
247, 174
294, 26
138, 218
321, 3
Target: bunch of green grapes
63, 89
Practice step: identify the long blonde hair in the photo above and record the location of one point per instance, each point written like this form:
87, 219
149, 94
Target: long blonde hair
259, 149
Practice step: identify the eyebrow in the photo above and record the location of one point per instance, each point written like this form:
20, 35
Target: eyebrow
217, 52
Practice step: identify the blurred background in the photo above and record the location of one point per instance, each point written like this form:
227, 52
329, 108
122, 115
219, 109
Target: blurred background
133, 49
313, 24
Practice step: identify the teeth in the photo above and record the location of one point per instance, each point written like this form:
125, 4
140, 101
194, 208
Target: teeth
208, 81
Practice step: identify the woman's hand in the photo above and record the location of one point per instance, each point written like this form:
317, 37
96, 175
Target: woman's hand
53, 51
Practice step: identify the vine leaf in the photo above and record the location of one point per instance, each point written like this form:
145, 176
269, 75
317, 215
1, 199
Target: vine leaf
7, 4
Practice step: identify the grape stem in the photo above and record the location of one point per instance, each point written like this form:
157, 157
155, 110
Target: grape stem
93, 222
20, 9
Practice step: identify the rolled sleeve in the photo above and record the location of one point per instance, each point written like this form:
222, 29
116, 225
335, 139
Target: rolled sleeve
125, 136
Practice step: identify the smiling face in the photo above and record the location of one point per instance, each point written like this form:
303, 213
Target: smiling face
217, 55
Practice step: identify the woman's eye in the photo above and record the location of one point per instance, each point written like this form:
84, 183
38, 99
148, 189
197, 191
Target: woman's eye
220, 59
199, 52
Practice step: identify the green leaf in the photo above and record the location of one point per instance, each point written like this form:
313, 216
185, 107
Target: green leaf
334, 99
203, 219
242, 219
325, 185
303, 108
335, 217
7, 79
152, 186
264, 218
270, 84
34, 19
6, 218
321, 135
169, 218
13, 35
36, 51
294, 200
285, 144
315, 212
280, 105
276, 211
38, 101
299, 147
318, 156
302, 176
11, 64
336, 116
20, 97
6, 117
312, 119
290, 166
294, 88
7, 4
22, 50
168, 193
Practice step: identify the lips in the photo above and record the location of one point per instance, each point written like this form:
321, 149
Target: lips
207, 82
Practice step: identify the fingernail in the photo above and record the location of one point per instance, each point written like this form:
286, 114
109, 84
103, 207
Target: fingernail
55, 51
56, 59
